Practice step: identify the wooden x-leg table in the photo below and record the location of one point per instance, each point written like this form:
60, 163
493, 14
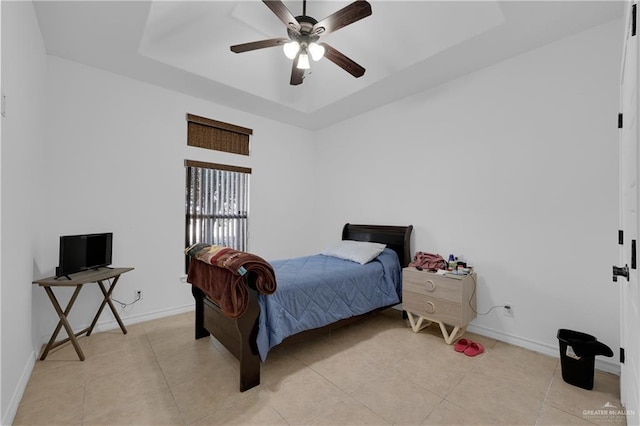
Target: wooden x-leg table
98, 276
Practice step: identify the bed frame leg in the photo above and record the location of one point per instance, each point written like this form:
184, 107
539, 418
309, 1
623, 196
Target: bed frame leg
247, 325
198, 295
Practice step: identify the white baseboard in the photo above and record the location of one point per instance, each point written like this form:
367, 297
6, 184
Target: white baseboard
135, 319
608, 365
111, 324
18, 392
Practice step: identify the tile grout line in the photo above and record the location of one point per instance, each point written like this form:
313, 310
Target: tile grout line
348, 395
84, 394
164, 377
544, 399
555, 370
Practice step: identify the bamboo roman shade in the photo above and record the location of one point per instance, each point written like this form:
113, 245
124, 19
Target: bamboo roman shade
211, 134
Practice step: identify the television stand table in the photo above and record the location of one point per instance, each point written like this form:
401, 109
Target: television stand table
77, 280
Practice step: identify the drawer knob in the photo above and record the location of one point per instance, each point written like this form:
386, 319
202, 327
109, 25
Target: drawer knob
430, 307
430, 285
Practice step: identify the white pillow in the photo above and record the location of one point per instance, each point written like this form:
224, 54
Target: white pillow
356, 251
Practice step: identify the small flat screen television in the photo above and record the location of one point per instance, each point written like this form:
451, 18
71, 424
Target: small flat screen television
83, 252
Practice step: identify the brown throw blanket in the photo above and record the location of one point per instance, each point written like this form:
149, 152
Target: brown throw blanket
220, 275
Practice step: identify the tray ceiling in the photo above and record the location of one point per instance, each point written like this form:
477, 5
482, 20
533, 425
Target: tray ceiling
405, 46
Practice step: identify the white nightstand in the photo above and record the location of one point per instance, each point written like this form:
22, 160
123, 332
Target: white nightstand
445, 299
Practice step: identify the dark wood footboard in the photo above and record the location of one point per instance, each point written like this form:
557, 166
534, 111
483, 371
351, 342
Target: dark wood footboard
237, 335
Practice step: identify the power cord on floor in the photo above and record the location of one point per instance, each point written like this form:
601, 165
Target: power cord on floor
475, 285
123, 304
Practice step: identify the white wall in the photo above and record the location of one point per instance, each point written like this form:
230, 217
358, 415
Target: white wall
23, 80
115, 163
513, 167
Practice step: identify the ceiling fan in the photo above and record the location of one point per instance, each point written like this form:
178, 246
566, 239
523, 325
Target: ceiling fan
304, 33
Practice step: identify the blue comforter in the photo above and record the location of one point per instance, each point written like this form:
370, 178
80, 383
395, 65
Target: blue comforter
318, 290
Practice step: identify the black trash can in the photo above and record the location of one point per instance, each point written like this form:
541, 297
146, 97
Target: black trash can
578, 352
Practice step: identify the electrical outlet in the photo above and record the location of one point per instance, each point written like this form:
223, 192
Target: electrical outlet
508, 310
138, 294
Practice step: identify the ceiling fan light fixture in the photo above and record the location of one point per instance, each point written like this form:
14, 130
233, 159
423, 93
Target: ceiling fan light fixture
291, 49
303, 61
316, 50
304, 32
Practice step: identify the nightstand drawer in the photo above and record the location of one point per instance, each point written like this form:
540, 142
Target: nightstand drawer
447, 288
434, 308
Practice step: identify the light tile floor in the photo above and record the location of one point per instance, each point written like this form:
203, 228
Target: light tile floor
375, 372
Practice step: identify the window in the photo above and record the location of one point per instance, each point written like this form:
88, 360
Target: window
216, 204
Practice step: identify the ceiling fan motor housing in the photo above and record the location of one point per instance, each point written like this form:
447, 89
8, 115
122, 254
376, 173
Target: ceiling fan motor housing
304, 35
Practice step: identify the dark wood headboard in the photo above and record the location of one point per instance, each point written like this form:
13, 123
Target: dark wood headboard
397, 238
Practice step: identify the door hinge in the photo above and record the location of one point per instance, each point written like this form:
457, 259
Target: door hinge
620, 271
619, 120
633, 254
622, 356
633, 19
620, 237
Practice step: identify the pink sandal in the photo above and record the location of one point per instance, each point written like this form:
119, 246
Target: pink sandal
461, 345
474, 349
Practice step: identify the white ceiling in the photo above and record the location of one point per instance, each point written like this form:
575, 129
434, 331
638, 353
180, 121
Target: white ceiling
406, 47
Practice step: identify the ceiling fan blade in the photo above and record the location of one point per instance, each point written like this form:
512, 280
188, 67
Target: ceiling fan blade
283, 14
297, 75
262, 44
342, 61
347, 15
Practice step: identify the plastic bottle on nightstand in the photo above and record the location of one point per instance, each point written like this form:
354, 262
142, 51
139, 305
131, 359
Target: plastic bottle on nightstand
452, 262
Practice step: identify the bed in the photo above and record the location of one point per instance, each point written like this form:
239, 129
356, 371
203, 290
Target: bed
268, 321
